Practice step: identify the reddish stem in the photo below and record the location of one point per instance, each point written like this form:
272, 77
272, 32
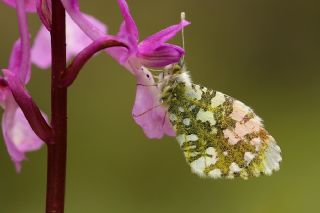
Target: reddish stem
57, 152
79, 61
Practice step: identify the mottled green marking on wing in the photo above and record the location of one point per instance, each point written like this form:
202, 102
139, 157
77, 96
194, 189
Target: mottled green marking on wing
209, 135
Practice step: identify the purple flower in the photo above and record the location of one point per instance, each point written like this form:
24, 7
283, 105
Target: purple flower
17, 132
151, 52
18, 135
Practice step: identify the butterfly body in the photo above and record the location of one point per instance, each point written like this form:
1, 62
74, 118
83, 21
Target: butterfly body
220, 136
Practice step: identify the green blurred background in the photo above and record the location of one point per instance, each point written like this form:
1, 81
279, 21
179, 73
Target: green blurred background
265, 53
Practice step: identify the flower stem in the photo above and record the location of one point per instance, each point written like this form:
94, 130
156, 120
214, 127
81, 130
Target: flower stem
57, 152
79, 61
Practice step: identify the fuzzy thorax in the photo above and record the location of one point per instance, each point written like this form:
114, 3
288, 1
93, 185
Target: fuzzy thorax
170, 78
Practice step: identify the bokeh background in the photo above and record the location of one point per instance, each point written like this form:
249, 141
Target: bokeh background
265, 53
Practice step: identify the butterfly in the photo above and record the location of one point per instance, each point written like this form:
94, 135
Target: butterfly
220, 136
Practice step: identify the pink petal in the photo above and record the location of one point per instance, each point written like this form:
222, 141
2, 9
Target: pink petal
15, 60
15, 57
89, 28
129, 34
76, 40
41, 49
154, 41
152, 52
164, 55
18, 135
30, 5
120, 54
129, 28
147, 111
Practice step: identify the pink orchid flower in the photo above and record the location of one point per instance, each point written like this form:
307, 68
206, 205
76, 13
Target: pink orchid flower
18, 135
152, 52
17, 132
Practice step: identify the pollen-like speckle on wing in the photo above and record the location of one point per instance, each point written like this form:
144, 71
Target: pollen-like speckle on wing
205, 116
215, 173
186, 121
220, 136
218, 99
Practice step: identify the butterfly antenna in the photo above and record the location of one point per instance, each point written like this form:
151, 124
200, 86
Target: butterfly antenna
183, 17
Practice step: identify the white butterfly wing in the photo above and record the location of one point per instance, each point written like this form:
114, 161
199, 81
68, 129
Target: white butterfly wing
221, 136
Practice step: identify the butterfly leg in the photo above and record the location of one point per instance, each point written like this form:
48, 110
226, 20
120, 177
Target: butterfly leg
164, 118
143, 85
145, 112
